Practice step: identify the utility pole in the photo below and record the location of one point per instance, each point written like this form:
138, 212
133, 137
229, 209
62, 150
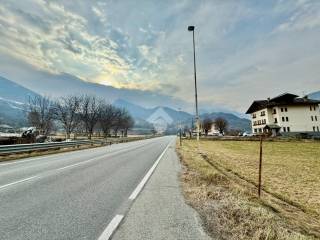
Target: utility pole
191, 29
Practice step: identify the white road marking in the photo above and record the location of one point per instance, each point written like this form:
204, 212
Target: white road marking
68, 166
22, 161
138, 189
5, 163
112, 226
20, 181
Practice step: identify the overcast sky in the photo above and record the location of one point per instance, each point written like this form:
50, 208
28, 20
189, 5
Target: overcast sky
246, 50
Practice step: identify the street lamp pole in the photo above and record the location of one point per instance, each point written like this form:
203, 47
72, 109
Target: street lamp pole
191, 28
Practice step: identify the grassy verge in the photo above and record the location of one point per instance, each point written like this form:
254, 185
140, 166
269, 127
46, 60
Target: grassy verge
219, 182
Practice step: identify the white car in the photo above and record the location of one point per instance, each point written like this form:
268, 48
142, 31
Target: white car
246, 134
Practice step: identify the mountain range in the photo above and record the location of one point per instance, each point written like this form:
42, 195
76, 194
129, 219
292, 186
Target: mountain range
314, 95
14, 99
143, 114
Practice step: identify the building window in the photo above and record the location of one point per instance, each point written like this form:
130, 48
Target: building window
288, 129
315, 118
287, 119
310, 108
286, 109
314, 128
317, 128
255, 130
275, 120
274, 111
314, 107
263, 113
282, 119
260, 130
281, 109
254, 115
311, 118
284, 129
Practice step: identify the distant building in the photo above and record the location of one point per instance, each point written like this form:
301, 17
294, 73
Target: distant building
286, 114
213, 131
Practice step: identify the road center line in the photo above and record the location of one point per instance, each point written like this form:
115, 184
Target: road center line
140, 186
112, 226
17, 161
68, 166
20, 181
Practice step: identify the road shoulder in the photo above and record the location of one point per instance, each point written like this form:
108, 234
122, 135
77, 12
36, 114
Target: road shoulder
160, 211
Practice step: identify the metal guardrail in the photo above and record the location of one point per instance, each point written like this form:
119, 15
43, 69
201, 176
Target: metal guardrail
30, 147
19, 148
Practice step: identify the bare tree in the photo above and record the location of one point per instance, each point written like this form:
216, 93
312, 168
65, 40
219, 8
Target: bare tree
41, 114
207, 124
221, 124
107, 118
90, 109
67, 112
116, 124
126, 122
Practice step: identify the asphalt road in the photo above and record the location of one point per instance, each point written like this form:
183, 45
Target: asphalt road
72, 195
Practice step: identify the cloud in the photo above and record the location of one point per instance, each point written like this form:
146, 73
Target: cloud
61, 43
306, 17
245, 49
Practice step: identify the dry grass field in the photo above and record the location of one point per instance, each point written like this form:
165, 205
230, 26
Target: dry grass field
225, 173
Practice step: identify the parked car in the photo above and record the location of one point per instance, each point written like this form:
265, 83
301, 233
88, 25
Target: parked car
246, 134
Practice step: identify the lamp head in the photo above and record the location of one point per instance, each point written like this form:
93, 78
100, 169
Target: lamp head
191, 28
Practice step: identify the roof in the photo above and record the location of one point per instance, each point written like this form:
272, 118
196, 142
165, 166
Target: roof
283, 99
257, 105
272, 126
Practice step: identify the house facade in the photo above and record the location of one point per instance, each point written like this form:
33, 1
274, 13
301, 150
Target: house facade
285, 114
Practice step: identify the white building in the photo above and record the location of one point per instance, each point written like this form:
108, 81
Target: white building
285, 114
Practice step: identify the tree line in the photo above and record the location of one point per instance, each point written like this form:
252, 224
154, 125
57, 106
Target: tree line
219, 123
78, 114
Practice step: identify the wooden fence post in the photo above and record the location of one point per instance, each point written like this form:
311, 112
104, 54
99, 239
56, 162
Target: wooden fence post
260, 167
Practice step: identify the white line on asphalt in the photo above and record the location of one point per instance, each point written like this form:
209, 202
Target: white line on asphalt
5, 163
112, 226
22, 161
68, 166
138, 189
20, 181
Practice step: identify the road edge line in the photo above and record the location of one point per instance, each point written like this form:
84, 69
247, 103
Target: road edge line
112, 226
145, 179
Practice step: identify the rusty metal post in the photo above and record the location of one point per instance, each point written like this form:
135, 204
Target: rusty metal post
260, 167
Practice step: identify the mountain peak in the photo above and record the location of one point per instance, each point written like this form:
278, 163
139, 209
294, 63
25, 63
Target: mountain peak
12, 91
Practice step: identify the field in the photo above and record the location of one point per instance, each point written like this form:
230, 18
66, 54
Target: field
290, 201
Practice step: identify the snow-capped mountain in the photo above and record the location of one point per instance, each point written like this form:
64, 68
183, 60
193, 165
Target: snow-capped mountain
314, 95
163, 117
